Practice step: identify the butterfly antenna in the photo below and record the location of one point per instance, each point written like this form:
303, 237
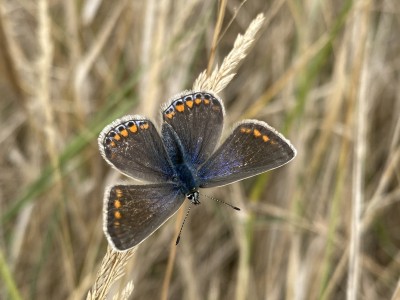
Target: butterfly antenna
183, 223
223, 202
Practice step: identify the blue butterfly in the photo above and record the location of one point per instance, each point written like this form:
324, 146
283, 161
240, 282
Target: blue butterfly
179, 162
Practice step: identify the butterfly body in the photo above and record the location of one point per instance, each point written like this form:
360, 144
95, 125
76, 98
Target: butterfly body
185, 174
180, 161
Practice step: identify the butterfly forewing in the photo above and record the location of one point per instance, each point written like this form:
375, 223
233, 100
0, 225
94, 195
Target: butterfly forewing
133, 212
133, 146
197, 118
252, 148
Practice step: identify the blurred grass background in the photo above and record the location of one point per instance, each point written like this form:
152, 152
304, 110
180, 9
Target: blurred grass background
325, 73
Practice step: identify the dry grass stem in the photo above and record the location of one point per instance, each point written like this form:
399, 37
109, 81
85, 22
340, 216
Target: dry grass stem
360, 86
284, 80
217, 31
171, 258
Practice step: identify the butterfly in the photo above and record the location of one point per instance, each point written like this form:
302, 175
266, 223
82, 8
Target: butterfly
179, 161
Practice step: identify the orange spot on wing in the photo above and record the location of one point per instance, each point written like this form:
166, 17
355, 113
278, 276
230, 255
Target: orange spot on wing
245, 130
180, 107
265, 138
189, 103
113, 144
257, 133
118, 192
117, 137
144, 126
117, 215
197, 101
124, 132
133, 128
170, 115
206, 101
117, 204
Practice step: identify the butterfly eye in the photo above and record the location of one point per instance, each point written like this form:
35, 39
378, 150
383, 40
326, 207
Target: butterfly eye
188, 98
207, 96
112, 134
121, 127
197, 96
193, 197
130, 124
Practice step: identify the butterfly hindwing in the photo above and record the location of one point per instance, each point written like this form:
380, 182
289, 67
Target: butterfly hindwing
133, 212
253, 148
133, 146
190, 116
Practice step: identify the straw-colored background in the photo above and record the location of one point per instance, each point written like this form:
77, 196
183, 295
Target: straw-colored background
325, 73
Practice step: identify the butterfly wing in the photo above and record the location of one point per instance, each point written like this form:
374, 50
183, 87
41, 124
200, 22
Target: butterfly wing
133, 146
253, 148
133, 212
197, 118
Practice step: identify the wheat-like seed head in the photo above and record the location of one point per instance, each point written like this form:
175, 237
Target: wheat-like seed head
221, 77
112, 268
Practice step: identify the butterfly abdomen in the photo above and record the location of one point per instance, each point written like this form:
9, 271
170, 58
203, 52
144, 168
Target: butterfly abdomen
181, 163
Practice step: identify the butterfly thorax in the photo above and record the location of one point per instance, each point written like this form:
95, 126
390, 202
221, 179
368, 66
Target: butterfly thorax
184, 177
185, 173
